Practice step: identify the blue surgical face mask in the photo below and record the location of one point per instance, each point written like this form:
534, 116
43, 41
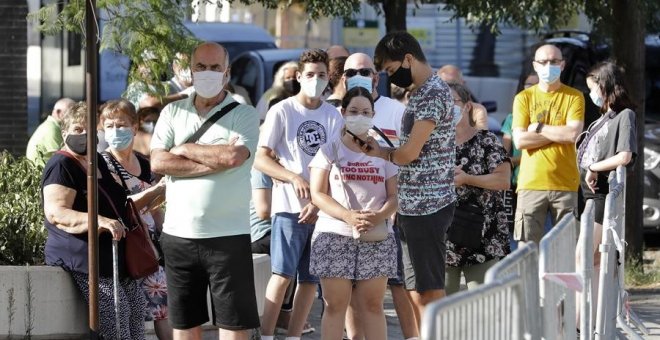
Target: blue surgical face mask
358, 80
549, 73
596, 98
458, 114
119, 138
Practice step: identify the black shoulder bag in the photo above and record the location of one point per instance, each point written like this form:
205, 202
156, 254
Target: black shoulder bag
207, 124
466, 228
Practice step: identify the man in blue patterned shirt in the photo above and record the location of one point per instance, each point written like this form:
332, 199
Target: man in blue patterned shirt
426, 160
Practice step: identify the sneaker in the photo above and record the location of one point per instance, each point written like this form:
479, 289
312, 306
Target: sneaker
308, 328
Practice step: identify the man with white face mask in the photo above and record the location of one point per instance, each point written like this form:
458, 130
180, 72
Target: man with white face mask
182, 80
206, 233
294, 130
547, 118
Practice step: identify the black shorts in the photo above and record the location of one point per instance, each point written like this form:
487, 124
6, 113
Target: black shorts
262, 245
222, 263
424, 249
598, 197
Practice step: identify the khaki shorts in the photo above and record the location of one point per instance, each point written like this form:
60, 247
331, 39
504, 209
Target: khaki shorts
533, 207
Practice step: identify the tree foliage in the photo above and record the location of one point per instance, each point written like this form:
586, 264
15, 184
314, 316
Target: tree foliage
22, 232
148, 32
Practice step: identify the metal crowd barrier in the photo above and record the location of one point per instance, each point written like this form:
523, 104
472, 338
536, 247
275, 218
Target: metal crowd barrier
557, 256
492, 311
611, 294
586, 269
524, 264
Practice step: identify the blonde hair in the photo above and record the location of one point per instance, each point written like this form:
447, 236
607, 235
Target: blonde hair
113, 109
278, 79
75, 114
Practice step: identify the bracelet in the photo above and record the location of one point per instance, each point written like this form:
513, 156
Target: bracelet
389, 156
539, 128
589, 168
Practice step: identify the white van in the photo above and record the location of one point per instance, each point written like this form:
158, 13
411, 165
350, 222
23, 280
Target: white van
235, 37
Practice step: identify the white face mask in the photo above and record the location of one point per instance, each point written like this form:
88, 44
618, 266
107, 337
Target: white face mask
358, 124
208, 84
185, 75
458, 114
313, 87
148, 127
596, 98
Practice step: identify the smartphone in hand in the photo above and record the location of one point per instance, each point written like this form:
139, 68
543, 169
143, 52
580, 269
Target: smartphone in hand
359, 140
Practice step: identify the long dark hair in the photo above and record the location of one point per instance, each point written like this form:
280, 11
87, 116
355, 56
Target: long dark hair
609, 78
357, 91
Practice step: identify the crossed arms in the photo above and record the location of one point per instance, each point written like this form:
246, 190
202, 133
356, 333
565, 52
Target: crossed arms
561, 134
194, 160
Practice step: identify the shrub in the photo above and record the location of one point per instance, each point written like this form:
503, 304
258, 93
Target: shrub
22, 234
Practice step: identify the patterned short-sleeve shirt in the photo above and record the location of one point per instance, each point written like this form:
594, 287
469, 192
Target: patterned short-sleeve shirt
426, 185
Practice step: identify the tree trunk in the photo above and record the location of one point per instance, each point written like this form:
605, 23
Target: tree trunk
483, 54
629, 51
395, 15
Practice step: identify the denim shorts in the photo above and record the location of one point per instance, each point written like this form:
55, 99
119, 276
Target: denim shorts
290, 245
398, 279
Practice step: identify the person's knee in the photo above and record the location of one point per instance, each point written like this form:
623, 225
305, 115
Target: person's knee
372, 304
335, 304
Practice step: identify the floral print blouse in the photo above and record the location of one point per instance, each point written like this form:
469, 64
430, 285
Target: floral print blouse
479, 156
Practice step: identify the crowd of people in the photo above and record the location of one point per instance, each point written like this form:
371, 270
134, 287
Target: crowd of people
349, 192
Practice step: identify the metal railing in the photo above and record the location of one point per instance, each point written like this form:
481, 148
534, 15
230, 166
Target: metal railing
586, 269
491, 311
524, 264
611, 293
557, 256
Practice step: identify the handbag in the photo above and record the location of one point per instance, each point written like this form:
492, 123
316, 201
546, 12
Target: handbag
466, 228
379, 232
141, 256
153, 235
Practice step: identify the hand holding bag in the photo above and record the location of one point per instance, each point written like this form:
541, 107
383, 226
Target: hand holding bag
141, 256
379, 232
466, 228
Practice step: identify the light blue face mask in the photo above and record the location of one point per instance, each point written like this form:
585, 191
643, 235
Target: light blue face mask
119, 138
458, 114
549, 73
358, 80
598, 100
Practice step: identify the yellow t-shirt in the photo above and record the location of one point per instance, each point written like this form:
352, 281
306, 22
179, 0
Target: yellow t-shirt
553, 166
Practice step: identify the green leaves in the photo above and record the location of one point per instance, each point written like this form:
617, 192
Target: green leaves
22, 234
148, 32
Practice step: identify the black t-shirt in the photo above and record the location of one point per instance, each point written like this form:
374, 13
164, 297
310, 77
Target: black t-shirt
70, 250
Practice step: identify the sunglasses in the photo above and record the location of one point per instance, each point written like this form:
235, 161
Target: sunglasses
365, 72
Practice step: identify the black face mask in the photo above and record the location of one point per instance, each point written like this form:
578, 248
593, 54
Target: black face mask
292, 86
77, 143
402, 77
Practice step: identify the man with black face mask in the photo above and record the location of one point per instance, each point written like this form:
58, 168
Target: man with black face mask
426, 160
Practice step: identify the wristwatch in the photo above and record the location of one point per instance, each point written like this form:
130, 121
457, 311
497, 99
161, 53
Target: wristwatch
539, 127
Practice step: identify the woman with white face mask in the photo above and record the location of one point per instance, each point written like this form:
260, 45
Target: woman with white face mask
132, 171
482, 170
355, 193
607, 143
147, 116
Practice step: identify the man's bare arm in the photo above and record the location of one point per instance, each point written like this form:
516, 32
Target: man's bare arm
564, 134
217, 157
529, 140
266, 163
167, 163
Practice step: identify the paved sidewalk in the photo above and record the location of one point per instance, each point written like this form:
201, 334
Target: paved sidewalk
646, 303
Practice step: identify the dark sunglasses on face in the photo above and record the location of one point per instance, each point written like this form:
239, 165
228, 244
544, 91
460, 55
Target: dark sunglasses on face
365, 72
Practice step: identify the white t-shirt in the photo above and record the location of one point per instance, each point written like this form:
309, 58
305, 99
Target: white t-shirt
388, 119
295, 134
363, 183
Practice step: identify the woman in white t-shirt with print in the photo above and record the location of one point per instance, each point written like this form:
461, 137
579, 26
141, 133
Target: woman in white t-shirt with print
337, 258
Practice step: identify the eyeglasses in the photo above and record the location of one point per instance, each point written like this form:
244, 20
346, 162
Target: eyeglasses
551, 61
365, 72
356, 112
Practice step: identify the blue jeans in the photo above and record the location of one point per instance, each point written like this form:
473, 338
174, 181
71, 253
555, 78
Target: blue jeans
290, 245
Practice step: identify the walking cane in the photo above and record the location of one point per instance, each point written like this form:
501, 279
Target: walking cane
115, 283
